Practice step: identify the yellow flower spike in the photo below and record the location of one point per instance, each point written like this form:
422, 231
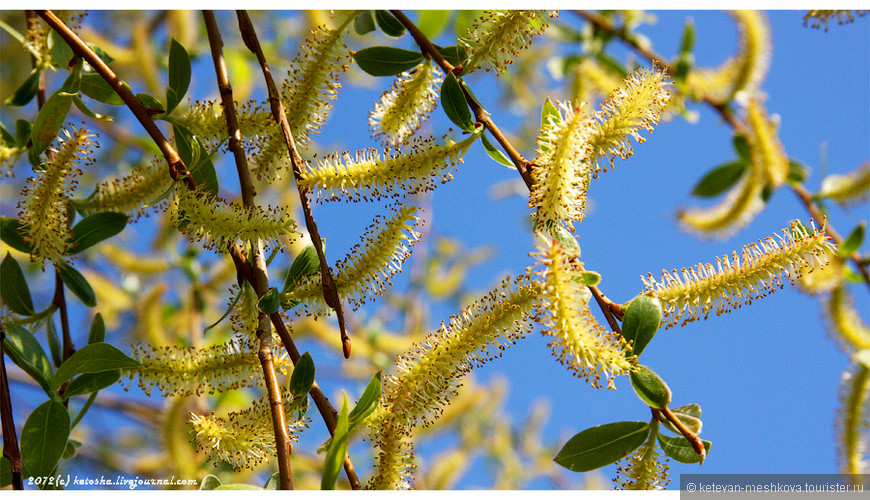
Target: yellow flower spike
43, 209
577, 339
589, 80
637, 104
692, 294
848, 189
765, 149
853, 418
409, 101
499, 35
737, 209
132, 194
562, 169
643, 470
844, 322
182, 371
370, 177
218, 224
246, 439
753, 57
823, 280
820, 17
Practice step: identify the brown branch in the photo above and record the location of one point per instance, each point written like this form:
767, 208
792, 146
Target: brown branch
690, 436
330, 291
11, 451
610, 309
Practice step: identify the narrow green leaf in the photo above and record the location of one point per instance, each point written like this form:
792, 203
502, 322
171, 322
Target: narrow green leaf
43, 438
10, 233
87, 383
73, 83
95, 87
49, 120
364, 23
92, 358
96, 228
495, 153
590, 278
24, 350
102, 54
80, 104
389, 24
13, 287
688, 41
549, 113
741, 147
26, 91
650, 388
22, 132
54, 345
853, 242
270, 302
306, 263
368, 402
98, 329
8, 139
386, 61
797, 171
209, 482
433, 22
203, 171
602, 445
179, 75
454, 104
680, 449
303, 375
274, 482
77, 284
454, 54
643, 316
151, 103
337, 450
719, 179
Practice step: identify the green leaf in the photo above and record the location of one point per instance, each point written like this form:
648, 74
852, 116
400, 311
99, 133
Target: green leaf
303, 375
433, 22
688, 41
454, 54
209, 482
454, 104
6, 137
590, 278
26, 91
304, 264
602, 445
91, 382
720, 179
96, 228
650, 388
13, 287
92, 358
73, 82
270, 302
642, 319
680, 449
98, 329
337, 450
612, 64
368, 402
77, 284
102, 54
43, 439
49, 120
71, 449
95, 87
389, 24
386, 61
274, 482
54, 345
692, 410
853, 242
24, 350
741, 146
80, 104
151, 103
5, 472
495, 153
10, 233
179, 75
694, 424
797, 171
203, 171
364, 23
22, 132
61, 53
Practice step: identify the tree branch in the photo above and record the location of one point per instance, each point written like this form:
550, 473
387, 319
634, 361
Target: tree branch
10, 440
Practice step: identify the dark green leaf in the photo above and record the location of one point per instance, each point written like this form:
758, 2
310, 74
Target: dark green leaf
96, 228
642, 319
98, 329
495, 153
270, 302
364, 23
24, 350
95, 87
73, 82
454, 54
852, 242
102, 54
7, 138
10, 233
337, 450
454, 104
433, 22
87, 383
720, 179
5, 472
304, 264
368, 402
203, 172
389, 24
650, 388
741, 146
13, 287
77, 284
688, 41
680, 449
179, 75
602, 445
151, 103
54, 345
49, 120
26, 91
22, 132
209, 482
303, 375
797, 171
80, 104
92, 358
34, 159
386, 61
43, 438
61, 53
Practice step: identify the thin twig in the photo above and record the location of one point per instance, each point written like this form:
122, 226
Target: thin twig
693, 438
10, 440
260, 282
330, 291
610, 309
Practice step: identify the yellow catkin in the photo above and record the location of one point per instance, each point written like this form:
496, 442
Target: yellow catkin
850, 189
853, 418
765, 149
740, 205
499, 35
401, 110
844, 322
